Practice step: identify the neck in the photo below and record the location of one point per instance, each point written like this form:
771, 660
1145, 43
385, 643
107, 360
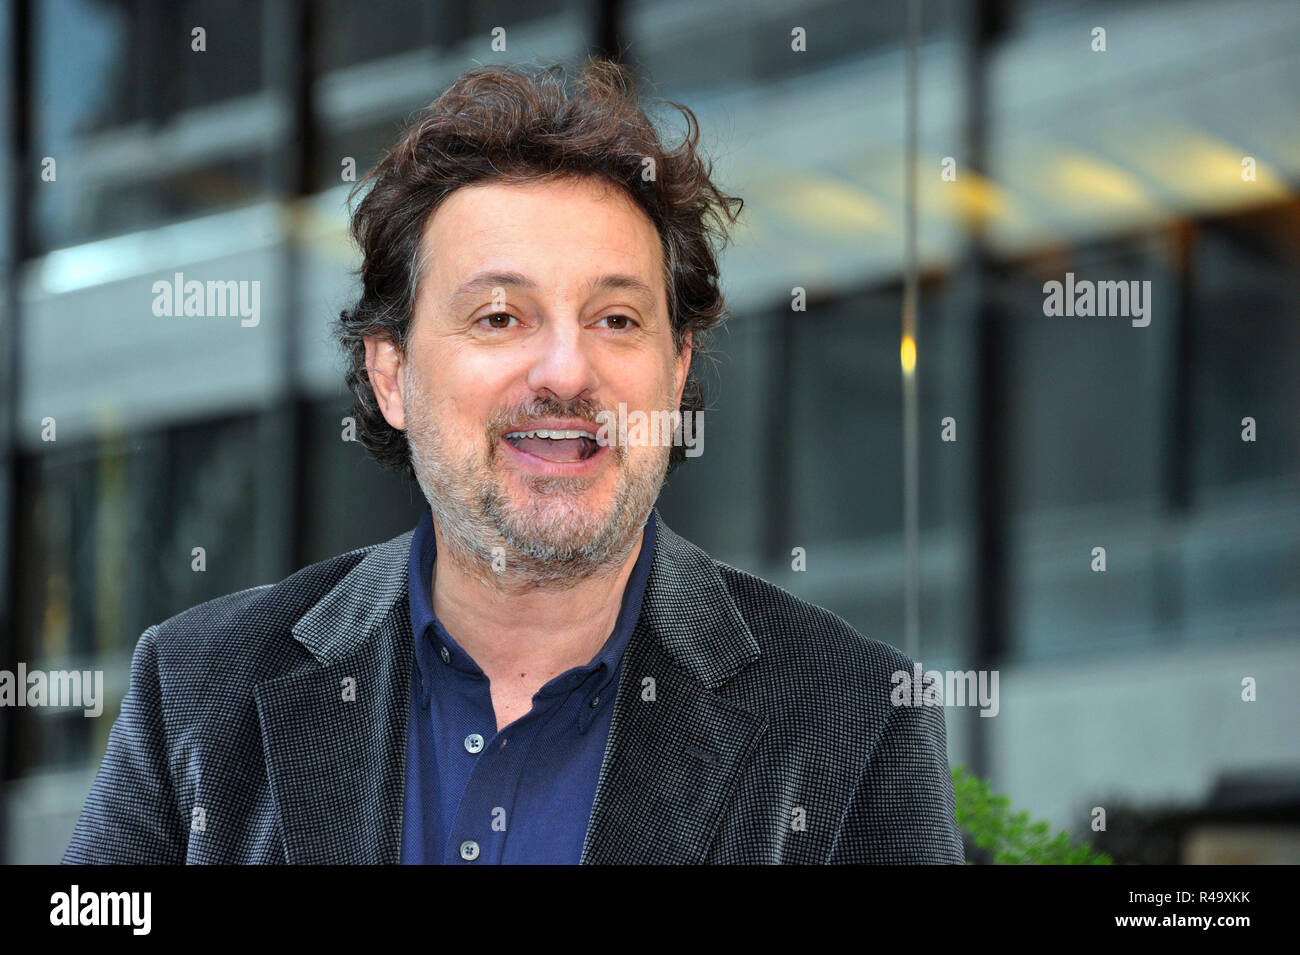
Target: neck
526, 636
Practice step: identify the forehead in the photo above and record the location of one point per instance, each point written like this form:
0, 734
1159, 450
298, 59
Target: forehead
558, 232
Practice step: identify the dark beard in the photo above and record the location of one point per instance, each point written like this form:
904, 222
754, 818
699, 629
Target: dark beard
519, 549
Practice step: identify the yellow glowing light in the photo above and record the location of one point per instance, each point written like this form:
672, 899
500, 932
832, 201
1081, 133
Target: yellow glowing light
829, 207
907, 354
1091, 183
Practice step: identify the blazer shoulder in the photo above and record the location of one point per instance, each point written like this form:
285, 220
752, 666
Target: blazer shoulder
796, 633
236, 631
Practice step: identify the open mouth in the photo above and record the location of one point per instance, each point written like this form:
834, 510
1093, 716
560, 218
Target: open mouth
561, 447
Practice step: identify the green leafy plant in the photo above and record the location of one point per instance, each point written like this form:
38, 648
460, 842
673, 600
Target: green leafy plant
1011, 837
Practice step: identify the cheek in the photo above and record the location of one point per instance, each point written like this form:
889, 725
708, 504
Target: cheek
650, 382
470, 387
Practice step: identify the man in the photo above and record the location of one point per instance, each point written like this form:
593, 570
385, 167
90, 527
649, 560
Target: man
541, 671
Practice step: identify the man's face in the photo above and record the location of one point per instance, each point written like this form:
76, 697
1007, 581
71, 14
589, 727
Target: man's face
541, 305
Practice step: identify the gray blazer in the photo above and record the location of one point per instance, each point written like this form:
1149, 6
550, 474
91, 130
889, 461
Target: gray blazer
749, 727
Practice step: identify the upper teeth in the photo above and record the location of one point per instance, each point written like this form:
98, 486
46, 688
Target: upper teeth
553, 435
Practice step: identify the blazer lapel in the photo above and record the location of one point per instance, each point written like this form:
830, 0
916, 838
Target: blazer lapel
335, 733
676, 749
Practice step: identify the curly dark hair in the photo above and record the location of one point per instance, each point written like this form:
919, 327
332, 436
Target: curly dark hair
515, 125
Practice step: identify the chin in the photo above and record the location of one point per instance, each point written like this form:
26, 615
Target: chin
556, 523
572, 515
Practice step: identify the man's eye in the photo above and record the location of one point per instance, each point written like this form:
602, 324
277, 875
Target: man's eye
618, 322
498, 320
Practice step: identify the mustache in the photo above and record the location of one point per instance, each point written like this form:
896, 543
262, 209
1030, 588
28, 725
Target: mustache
513, 419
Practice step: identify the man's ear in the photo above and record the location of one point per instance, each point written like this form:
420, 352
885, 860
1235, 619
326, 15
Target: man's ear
682, 367
384, 365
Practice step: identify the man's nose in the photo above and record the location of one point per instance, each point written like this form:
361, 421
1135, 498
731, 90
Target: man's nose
563, 363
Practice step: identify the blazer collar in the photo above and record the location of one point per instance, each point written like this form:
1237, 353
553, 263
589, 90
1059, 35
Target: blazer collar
689, 610
336, 761
359, 604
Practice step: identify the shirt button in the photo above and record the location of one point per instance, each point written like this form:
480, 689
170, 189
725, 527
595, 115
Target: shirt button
445, 654
595, 702
473, 743
469, 850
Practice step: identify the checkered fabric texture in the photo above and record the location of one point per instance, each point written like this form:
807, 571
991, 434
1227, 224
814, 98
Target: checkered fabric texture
749, 726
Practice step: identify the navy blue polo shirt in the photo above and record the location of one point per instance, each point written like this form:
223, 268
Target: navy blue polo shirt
522, 795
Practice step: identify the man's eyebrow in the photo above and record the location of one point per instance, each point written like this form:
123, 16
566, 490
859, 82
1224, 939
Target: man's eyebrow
613, 281
490, 280
621, 282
